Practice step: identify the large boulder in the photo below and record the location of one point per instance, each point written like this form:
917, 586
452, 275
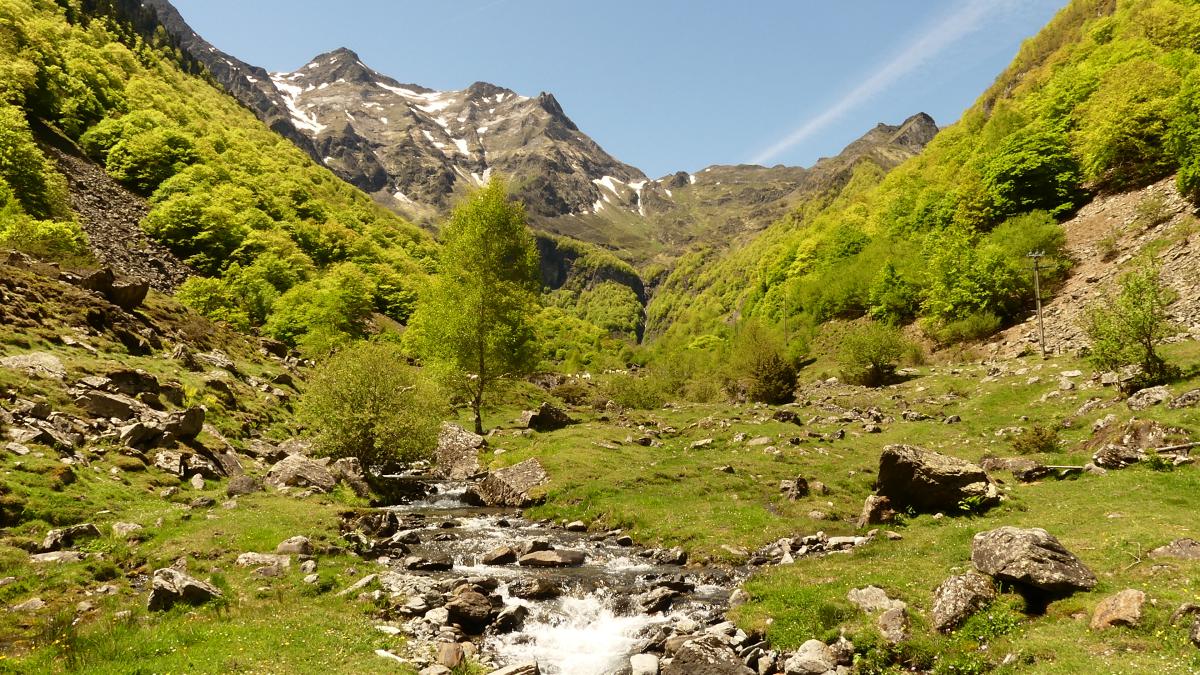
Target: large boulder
471, 610
930, 481
960, 596
510, 486
707, 655
545, 418
349, 470
170, 586
37, 364
299, 471
185, 424
1031, 558
108, 406
457, 455
125, 293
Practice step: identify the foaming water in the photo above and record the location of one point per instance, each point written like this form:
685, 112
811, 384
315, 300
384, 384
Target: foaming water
574, 636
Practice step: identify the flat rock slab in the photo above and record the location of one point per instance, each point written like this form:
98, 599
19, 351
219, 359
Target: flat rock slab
1030, 557
1182, 549
557, 558
37, 364
510, 486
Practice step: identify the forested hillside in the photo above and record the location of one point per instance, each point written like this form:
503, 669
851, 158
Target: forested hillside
1103, 99
278, 241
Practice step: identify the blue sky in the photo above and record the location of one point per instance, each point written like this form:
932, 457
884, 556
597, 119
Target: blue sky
666, 85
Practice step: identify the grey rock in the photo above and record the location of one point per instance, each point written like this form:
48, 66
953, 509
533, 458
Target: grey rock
170, 586
930, 481
511, 486
1030, 557
298, 545
876, 510
56, 540
872, 599
108, 406
1147, 398
37, 364
186, 424
812, 658
960, 596
242, 485
529, 668
30, 606
56, 558
893, 625
299, 471
534, 588
555, 558
471, 610
1181, 549
708, 655
264, 560
457, 455
125, 530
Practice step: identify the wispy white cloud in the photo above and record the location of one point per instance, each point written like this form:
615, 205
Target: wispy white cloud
968, 18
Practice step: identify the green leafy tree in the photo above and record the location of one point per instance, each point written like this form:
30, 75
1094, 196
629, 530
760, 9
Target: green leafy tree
870, 353
1126, 327
759, 366
366, 402
474, 324
1034, 170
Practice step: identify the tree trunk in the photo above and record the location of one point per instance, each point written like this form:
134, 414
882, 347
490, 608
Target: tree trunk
475, 406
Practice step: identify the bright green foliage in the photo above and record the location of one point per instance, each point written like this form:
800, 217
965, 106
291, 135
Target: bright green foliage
239, 203
1105, 97
1127, 327
40, 191
1124, 125
47, 238
366, 402
758, 366
870, 353
612, 307
473, 324
321, 314
1033, 170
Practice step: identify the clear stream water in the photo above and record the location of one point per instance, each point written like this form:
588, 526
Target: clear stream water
594, 627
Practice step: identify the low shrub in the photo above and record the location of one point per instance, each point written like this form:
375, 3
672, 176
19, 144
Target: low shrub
1037, 439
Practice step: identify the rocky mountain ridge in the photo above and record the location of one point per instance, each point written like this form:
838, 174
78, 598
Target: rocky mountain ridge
414, 149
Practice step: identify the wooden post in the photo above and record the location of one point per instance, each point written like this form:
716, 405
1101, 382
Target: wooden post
1037, 291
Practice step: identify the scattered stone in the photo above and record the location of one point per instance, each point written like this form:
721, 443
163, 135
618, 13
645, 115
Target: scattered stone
450, 655
1183, 549
702, 443
656, 600
30, 606
503, 555
813, 658
555, 558
1114, 456
545, 418
893, 624
170, 586
470, 610
358, 585
872, 599
298, 545
1030, 557
1188, 399
511, 486
1122, 609
794, 489
534, 588
510, 619
125, 530
242, 485
930, 481
61, 538
960, 596
876, 510
436, 563
197, 482
263, 560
